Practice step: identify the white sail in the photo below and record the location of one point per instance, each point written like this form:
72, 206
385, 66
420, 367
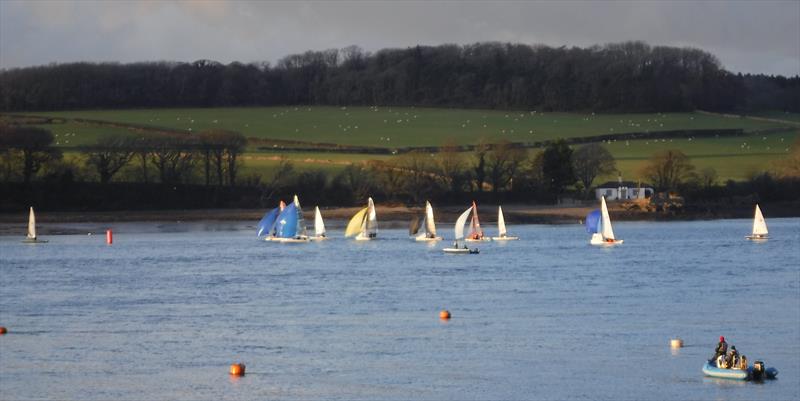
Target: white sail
371, 224
31, 225
319, 225
501, 222
430, 226
459, 228
759, 225
301, 222
605, 222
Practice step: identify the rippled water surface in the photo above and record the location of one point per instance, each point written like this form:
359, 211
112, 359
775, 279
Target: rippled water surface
163, 312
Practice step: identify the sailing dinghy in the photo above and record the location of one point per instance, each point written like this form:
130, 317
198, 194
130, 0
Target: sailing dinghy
319, 226
267, 225
760, 231
476, 233
501, 227
459, 235
598, 223
428, 224
290, 226
364, 224
31, 237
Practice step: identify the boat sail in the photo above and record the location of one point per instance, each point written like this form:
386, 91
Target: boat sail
364, 224
31, 237
429, 225
476, 233
319, 225
760, 231
501, 227
267, 225
290, 226
603, 232
459, 235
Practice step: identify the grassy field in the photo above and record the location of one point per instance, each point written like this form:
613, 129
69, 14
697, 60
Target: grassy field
388, 127
400, 127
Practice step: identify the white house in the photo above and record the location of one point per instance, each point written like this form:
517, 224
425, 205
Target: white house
623, 190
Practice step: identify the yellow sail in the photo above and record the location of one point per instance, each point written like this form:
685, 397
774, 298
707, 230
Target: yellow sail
356, 223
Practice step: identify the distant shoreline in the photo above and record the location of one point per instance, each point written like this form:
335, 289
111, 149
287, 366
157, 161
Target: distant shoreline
388, 216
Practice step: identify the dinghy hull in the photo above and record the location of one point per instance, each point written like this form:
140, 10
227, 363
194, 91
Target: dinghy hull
506, 238
461, 251
427, 239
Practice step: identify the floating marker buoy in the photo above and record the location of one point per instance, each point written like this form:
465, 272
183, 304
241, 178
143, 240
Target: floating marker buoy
3, 330
676, 343
444, 314
109, 237
237, 369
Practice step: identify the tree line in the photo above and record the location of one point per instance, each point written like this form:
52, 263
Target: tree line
619, 77
149, 170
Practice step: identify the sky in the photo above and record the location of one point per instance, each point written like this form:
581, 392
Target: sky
746, 36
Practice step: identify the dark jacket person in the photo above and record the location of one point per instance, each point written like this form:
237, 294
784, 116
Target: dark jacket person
722, 349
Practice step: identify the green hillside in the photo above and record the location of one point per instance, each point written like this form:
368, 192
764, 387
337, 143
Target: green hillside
390, 127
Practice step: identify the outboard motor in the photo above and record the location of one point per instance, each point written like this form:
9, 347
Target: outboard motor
758, 370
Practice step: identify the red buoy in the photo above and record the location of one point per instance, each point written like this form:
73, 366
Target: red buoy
109, 237
3, 330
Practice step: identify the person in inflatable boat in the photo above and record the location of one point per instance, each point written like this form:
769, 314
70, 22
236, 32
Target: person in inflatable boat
722, 349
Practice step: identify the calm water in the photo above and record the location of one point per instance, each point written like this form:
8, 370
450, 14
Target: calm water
163, 313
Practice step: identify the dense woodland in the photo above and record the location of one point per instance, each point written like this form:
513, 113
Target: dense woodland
622, 77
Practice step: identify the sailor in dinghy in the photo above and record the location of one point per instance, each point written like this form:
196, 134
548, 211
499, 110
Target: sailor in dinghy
427, 224
459, 235
598, 223
364, 224
476, 232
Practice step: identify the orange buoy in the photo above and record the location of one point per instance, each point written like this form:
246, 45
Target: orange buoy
3, 330
444, 314
109, 237
237, 369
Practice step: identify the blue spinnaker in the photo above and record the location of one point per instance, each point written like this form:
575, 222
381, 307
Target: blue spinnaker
286, 226
267, 221
593, 221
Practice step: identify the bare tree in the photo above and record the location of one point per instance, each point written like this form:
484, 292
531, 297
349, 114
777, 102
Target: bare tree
590, 161
503, 162
451, 166
109, 155
667, 169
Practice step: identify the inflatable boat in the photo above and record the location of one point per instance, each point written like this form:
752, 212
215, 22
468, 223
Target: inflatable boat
753, 372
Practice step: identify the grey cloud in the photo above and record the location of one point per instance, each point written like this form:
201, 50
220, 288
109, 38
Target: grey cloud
758, 37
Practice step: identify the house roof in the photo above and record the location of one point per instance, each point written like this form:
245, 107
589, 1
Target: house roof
629, 184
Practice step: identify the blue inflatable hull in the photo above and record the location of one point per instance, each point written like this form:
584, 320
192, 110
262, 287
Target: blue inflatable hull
736, 374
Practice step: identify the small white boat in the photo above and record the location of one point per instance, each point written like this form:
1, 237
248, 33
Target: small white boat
475, 233
599, 224
364, 224
459, 235
31, 237
429, 233
319, 226
501, 227
760, 231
